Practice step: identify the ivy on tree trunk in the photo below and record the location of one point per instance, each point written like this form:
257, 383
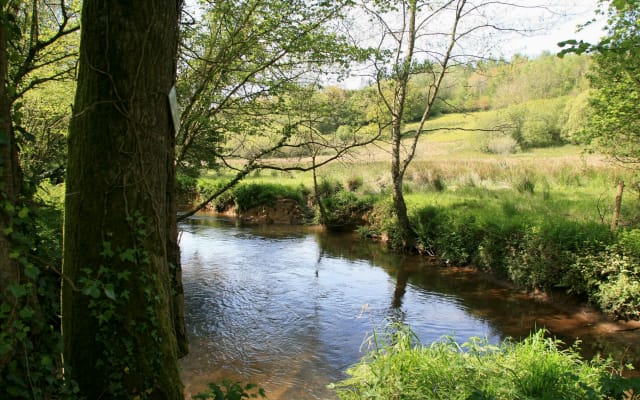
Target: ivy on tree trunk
120, 240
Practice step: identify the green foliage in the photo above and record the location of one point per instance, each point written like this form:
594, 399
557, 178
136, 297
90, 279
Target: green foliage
582, 258
250, 195
546, 251
398, 367
537, 123
31, 308
613, 124
108, 292
578, 111
344, 209
526, 185
229, 390
383, 223
500, 84
611, 275
241, 67
186, 185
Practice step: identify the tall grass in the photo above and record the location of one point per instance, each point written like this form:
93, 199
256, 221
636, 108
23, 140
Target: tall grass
399, 367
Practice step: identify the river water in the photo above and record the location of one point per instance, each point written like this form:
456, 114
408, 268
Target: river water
290, 307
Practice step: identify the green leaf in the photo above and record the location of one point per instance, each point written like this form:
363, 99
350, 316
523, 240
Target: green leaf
17, 291
91, 291
128, 255
26, 313
23, 213
109, 292
31, 271
106, 250
5, 347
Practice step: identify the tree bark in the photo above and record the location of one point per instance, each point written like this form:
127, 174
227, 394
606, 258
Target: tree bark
9, 188
616, 209
397, 115
120, 239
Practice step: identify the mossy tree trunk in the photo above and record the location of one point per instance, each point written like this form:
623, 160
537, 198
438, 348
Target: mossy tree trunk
120, 243
9, 188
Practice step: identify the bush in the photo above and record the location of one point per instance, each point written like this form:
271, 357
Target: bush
536, 123
546, 251
428, 225
610, 277
620, 296
501, 144
186, 184
526, 185
454, 236
328, 187
247, 196
383, 222
344, 209
399, 367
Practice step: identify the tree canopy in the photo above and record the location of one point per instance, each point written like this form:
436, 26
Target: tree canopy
614, 123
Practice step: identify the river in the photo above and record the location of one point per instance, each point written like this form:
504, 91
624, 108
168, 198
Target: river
289, 307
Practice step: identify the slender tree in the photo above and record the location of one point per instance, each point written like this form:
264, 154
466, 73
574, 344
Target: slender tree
120, 234
395, 66
426, 39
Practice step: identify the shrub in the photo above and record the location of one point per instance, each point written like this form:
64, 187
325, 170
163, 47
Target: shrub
344, 209
536, 123
328, 187
219, 203
247, 196
186, 184
610, 277
428, 225
546, 251
383, 222
501, 144
498, 240
526, 185
620, 296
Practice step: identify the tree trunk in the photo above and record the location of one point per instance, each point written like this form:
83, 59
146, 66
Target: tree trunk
616, 209
397, 179
398, 167
120, 241
9, 188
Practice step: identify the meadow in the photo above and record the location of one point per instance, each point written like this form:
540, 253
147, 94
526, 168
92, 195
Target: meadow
540, 218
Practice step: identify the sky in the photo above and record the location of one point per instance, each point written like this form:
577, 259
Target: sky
564, 27
547, 29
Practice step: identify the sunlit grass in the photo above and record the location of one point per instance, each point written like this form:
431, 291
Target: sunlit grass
450, 169
399, 367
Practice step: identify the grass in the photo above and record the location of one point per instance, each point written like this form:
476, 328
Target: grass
397, 366
547, 182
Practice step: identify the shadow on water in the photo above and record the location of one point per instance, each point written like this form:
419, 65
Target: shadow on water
289, 307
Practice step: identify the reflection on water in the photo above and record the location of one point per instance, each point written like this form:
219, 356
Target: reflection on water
288, 308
